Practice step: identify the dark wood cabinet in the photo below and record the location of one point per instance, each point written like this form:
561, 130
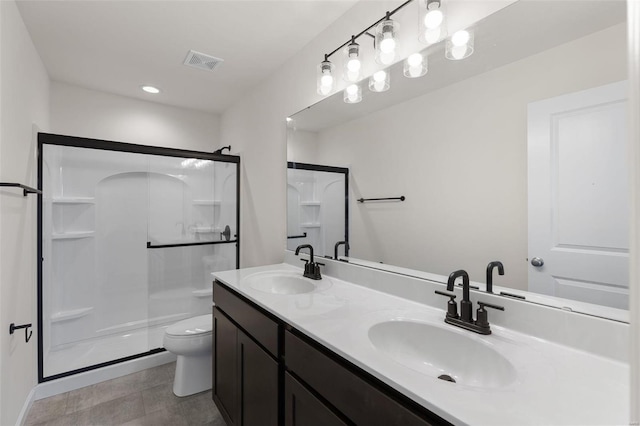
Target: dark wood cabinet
258, 384
245, 375
302, 408
225, 367
267, 373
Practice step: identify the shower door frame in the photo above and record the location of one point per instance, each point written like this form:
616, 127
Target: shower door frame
330, 169
80, 142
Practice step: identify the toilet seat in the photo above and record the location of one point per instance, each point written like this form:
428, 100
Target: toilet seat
191, 327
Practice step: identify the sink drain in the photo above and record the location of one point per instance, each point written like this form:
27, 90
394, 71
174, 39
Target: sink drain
447, 378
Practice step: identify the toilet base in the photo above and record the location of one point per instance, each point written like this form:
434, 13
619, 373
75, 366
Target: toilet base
193, 374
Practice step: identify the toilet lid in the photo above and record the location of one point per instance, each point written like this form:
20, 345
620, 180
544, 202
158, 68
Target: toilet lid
192, 326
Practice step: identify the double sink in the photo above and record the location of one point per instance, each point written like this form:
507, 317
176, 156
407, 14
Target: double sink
433, 349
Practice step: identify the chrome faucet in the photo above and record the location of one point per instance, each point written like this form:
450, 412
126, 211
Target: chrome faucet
490, 266
311, 268
338, 244
465, 319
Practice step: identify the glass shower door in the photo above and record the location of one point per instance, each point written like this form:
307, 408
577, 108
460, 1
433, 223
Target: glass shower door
129, 237
191, 205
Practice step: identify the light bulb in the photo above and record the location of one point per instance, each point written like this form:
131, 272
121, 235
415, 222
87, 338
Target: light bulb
459, 52
433, 19
379, 81
379, 76
460, 38
433, 36
352, 90
354, 65
414, 60
326, 80
388, 44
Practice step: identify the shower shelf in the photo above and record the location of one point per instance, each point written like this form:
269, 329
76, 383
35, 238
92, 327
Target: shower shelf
203, 293
207, 202
206, 229
74, 200
310, 225
73, 235
71, 314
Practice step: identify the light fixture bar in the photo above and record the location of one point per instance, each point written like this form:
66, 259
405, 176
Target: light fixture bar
387, 15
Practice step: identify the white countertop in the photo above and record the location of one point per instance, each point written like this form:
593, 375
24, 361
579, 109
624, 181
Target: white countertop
554, 384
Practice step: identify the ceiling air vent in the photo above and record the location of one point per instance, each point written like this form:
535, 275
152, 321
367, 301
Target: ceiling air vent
202, 61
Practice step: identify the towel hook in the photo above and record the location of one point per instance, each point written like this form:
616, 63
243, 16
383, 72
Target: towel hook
27, 333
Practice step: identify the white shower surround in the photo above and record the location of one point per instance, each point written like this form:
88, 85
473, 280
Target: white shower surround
106, 295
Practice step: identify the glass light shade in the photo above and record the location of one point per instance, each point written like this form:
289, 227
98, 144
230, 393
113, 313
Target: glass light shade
325, 79
380, 81
386, 41
433, 21
460, 45
352, 94
416, 65
352, 69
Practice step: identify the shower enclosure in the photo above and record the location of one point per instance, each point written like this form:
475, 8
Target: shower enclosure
317, 207
128, 237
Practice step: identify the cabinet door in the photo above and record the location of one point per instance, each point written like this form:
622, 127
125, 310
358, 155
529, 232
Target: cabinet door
225, 367
301, 408
259, 384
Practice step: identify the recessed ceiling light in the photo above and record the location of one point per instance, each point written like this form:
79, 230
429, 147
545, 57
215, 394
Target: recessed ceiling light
150, 89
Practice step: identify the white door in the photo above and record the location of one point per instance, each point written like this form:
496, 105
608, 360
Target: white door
578, 196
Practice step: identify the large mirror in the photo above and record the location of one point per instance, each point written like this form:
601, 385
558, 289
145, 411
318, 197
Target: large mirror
515, 154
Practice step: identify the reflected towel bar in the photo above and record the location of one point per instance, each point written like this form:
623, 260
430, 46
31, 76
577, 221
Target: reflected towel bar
27, 335
291, 237
26, 189
362, 200
199, 243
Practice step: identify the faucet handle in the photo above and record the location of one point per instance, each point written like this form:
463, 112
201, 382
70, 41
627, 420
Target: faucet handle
482, 319
489, 305
305, 261
452, 306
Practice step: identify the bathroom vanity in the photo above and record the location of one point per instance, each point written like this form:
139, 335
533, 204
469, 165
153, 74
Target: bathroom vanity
364, 346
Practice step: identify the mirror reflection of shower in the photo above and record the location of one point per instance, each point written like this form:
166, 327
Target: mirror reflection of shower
317, 206
129, 240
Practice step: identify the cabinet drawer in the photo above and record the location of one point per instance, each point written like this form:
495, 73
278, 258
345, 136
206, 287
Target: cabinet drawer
360, 401
262, 328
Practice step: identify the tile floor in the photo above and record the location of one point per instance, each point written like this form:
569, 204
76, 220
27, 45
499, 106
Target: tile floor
139, 399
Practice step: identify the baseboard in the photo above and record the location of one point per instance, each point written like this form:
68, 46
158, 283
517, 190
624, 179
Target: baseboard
26, 407
80, 380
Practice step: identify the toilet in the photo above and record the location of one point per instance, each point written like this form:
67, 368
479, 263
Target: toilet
191, 341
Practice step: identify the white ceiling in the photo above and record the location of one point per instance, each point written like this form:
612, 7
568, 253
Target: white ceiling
117, 46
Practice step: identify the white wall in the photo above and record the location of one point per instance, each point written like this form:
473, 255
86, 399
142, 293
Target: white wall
76, 111
459, 155
24, 90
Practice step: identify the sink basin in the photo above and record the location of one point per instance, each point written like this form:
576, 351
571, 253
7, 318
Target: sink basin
284, 282
441, 353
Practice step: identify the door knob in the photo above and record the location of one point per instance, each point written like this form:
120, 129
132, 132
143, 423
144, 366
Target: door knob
537, 262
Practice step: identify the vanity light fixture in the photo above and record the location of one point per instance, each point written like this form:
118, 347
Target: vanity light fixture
325, 80
380, 81
352, 94
386, 41
416, 65
352, 62
433, 29
150, 89
460, 45
385, 44
433, 25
